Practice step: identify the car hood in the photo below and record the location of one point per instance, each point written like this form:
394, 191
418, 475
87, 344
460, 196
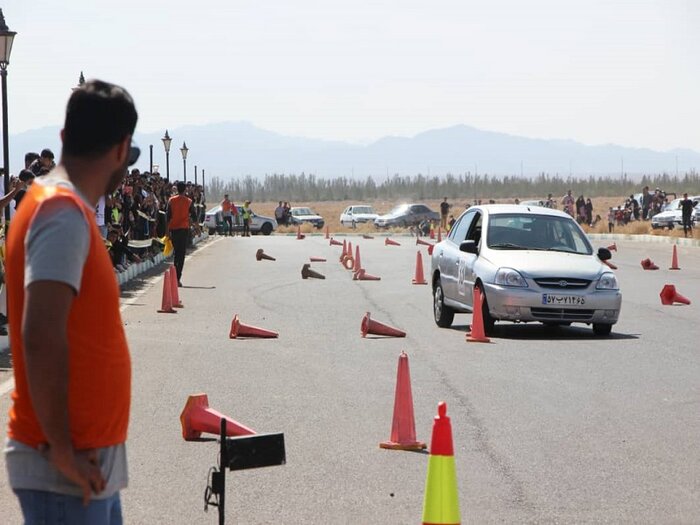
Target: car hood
666, 214
536, 264
389, 216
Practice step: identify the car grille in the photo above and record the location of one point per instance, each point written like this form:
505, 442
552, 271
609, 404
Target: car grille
561, 314
557, 282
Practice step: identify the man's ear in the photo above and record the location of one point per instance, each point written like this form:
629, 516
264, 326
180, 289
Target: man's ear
122, 150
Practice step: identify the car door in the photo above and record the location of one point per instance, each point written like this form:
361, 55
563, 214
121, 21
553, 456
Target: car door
449, 255
465, 266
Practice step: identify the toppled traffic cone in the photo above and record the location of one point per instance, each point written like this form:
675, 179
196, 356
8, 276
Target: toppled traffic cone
300, 235
613, 247
239, 329
317, 259
328, 234
307, 272
421, 242
260, 255
648, 264
365, 236
174, 292
362, 275
197, 417
477, 333
166, 306
669, 296
441, 500
430, 249
674, 259
419, 278
609, 265
335, 243
389, 242
439, 237
372, 327
403, 426
357, 266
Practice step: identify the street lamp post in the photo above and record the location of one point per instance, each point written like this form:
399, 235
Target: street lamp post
150, 147
184, 149
6, 39
204, 184
195, 174
166, 143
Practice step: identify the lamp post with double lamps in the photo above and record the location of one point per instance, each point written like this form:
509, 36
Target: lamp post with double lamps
166, 143
6, 39
184, 149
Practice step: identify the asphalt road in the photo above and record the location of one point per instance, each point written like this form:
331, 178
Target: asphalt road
549, 426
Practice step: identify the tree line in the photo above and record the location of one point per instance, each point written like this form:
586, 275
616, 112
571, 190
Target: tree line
310, 188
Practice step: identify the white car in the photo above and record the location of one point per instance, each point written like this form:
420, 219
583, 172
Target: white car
357, 214
258, 223
672, 215
303, 215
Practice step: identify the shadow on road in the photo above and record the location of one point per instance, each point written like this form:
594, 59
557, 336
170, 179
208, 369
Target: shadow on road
538, 332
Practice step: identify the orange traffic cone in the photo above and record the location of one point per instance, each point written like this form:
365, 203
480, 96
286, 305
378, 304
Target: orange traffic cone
421, 242
613, 247
372, 327
300, 235
648, 264
349, 253
669, 295
610, 265
197, 417
358, 265
362, 275
365, 236
430, 249
345, 251
439, 238
441, 500
432, 231
307, 272
261, 255
335, 243
674, 260
166, 306
419, 277
477, 333
328, 235
389, 242
317, 259
239, 329
174, 292
403, 426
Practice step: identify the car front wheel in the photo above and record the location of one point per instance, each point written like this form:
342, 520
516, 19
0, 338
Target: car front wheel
266, 229
489, 322
601, 329
444, 315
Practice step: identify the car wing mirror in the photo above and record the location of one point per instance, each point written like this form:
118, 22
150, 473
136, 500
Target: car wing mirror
604, 254
469, 247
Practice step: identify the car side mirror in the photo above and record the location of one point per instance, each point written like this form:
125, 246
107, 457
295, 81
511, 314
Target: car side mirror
469, 247
604, 254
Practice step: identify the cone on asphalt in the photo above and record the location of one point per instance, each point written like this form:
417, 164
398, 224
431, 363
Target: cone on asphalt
430, 249
421, 242
403, 425
239, 329
328, 234
317, 259
477, 334
674, 259
197, 418
389, 242
260, 255
419, 278
613, 247
362, 275
300, 235
166, 305
335, 243
345, 251
432, 231
365, 236
307, 272
174, 292
441, 500
669, 295
371, 327
610, 265
648, 264
357, 266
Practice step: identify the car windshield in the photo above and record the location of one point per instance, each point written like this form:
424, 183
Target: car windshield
399, 210
362, 209
302, 211
675, 204
514, 231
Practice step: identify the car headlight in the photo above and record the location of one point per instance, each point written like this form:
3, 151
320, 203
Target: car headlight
607, 281
509, 277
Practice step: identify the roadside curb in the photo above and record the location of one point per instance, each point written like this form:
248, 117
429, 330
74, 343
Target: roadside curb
659, 239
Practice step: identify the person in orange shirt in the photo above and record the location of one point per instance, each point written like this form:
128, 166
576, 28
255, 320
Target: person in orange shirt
66, 454
226, 215
180, 212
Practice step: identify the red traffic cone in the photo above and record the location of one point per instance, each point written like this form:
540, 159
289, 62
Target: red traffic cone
345, 251
328, 234
613, 247
439, 238
430, 249
362, 275
674, 260
260, 255
307, 272
477, 333
358, 265
669, 295
403, 426
372, 327
365, 236
239, 329
166, 306
389, 242
349, 253
421, 242
300, 235
335, 243
174, 292
197, 417
441, 499
609, 265
419, 277
432, 231
648, 264
317, 259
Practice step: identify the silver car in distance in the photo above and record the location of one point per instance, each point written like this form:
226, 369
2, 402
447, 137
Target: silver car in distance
532, 264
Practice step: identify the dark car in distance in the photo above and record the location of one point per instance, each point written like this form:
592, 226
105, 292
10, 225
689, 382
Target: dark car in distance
405, 215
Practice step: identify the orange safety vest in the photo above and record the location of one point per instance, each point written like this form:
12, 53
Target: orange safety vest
99, 366
226, 206
179, 212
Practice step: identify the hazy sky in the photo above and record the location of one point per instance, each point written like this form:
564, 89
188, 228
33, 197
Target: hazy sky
595, 71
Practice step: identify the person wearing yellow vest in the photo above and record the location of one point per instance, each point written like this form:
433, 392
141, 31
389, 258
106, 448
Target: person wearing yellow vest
66, 453
180, 211
247, 214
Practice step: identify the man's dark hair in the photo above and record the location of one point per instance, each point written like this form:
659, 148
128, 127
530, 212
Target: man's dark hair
99, 116
25, 175
46, 153
30, 157
181, 186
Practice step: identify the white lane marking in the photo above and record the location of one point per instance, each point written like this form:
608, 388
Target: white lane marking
9, 385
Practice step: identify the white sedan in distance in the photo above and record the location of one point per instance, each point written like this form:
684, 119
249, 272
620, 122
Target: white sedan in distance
357, 214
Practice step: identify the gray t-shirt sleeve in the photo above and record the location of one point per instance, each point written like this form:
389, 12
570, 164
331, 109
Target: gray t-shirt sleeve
57, 244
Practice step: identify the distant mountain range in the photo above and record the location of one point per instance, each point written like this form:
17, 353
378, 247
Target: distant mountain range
235, 149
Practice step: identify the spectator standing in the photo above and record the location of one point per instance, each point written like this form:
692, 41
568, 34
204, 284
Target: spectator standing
279, 213
549, 203
70, 407
611, 220
247, 213
29, 158
444, 211
589, 211
687, 206
180, 210
646, 203
43, 163
26, 178
226, 215
568, 203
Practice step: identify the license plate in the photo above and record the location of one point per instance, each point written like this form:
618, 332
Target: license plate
552, 299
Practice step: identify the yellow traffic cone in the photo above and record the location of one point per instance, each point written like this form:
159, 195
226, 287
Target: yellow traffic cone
441, 501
